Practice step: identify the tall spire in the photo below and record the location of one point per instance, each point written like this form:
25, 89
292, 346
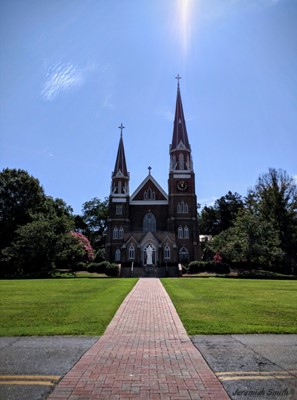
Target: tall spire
180, 136
120, 167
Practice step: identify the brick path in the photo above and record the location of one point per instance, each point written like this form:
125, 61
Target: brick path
145, 353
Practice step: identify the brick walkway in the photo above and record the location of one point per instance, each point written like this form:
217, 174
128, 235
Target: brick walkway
145, 353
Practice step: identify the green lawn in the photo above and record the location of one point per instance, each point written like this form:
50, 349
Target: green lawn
221, 306
60, 306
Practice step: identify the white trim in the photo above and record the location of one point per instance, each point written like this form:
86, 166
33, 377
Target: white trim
148, 202
119, 200
184, 176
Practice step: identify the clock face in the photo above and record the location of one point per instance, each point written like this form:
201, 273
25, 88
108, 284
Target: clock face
182, 186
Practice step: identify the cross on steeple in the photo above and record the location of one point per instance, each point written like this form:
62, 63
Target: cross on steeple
178, 77
121, 127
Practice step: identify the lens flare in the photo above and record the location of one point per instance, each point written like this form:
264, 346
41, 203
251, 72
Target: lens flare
184, 14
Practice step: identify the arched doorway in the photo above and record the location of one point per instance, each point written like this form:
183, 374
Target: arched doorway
183, 255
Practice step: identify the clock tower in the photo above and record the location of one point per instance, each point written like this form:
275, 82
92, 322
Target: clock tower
181, 188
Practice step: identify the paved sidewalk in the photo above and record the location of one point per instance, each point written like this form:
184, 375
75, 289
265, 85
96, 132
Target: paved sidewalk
145, 353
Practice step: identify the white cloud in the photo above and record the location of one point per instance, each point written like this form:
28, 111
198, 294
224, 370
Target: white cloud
59, 78
108, 103
295, 178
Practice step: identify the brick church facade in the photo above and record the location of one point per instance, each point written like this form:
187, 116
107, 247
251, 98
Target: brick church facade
151, 226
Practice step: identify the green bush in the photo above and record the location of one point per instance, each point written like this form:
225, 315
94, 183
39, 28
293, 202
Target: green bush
196, 267
80, 266
112, 270
221, 268
102, 267
99, 268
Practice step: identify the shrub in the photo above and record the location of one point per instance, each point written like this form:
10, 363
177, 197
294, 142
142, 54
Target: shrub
112, 270
95, 267
196, 267
102, 267
221, 268
80, 266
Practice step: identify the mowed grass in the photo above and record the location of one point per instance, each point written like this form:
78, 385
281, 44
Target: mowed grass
222, 306
60, 306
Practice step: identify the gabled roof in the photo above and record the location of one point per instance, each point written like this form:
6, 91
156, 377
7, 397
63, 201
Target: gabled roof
120, 168
149, 238
180, 135
155, 193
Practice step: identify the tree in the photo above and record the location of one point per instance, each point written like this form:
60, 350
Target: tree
43, 245
274, 199
94, 221
222, 215
250, 240
85, 244
34, 228
20, 197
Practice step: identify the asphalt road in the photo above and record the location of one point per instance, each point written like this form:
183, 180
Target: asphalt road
250, 367
31, 366
253, 366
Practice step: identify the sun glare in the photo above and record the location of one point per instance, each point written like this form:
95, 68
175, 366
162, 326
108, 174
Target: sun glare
184, 13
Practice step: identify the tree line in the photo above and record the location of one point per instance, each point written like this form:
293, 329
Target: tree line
258, 230
39, 234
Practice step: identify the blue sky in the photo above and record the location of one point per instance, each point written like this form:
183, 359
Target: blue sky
71, 71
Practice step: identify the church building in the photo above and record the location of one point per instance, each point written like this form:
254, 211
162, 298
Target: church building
151, 226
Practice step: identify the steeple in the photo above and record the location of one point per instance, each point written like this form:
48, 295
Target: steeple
120, 174
180, 136
120, 164
180, 149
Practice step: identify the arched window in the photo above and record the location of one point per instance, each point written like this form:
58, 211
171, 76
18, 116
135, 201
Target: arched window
119, 209
115, 233
118, 255
131, 252
121, 232
182, 208
181, 161
183, 255
149, 194
188, 162
173, 162
149, 222
167, 252
180, 232
186, 232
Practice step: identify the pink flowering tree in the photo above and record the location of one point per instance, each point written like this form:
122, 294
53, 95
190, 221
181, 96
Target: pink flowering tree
86, 245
